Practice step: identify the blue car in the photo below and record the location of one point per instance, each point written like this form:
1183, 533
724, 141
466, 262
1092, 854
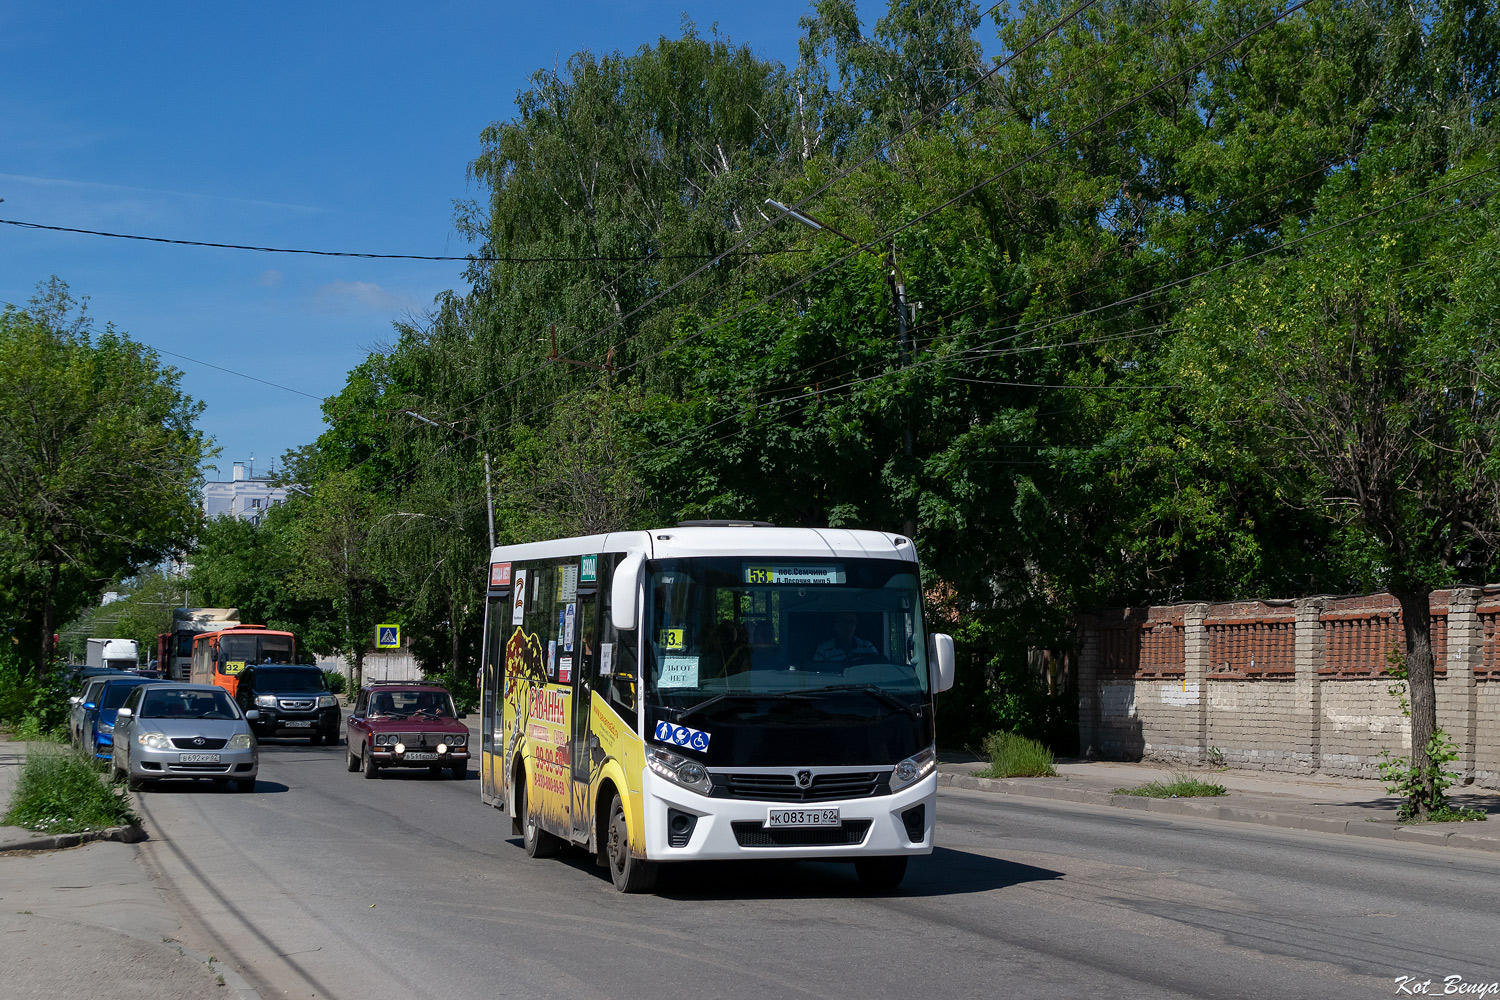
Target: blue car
109, 698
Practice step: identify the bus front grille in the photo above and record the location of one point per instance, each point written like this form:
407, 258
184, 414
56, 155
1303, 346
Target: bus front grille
749, 833
784, 787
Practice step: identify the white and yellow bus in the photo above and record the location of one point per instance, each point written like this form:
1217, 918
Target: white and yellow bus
713, 691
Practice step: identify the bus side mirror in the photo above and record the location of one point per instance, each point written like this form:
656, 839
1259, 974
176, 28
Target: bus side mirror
623, 591
940, 660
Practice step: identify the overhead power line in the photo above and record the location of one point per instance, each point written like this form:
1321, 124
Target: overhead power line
475, 258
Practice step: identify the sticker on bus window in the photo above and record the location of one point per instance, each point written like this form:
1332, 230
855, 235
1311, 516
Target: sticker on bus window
499, 574
551, 657
671, 638
606, 659
567, 584
678, 672
518, 612
565, 670
234, 666
569, 614
682, 736
800, 576
590, 572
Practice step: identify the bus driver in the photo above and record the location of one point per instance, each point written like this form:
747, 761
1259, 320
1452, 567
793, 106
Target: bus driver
845, 646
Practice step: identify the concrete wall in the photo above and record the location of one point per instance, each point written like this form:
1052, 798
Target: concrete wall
1297, 686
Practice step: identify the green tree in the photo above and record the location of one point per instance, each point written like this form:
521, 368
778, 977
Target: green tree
98, 463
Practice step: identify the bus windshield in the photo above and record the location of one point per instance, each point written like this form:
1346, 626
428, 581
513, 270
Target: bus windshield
256, 648
748, 626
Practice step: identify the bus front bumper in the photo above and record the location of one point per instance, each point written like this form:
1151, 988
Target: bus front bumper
726, 829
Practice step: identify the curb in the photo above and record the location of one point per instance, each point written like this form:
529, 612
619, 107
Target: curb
132, 834
1424, 834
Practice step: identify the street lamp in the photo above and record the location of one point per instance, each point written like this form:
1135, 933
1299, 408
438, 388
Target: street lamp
898, 289
489, 497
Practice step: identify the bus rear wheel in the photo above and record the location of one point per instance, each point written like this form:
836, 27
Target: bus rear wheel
881, 874
538, 842
629, 873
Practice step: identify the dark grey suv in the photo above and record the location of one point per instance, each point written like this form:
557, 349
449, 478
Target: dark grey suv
292, 701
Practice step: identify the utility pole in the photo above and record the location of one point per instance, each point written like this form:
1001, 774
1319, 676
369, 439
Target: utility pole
489, 496
903, 338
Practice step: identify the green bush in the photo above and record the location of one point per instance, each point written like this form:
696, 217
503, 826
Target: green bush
1013, 756
1181, 786
334, 680
62, 791
463, 688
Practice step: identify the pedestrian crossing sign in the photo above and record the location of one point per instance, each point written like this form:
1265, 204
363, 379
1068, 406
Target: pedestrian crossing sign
387, 636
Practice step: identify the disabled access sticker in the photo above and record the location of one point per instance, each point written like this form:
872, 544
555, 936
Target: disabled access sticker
682, 736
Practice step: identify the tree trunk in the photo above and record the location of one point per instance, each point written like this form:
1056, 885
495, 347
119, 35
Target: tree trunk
1416, 623
49, 619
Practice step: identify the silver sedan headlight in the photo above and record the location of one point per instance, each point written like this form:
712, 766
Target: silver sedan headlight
153, 741
914, 768
240, 741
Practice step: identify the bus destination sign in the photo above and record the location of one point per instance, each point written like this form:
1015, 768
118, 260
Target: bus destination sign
794, 575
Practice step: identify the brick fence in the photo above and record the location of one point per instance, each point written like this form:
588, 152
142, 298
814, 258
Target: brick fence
1285, 685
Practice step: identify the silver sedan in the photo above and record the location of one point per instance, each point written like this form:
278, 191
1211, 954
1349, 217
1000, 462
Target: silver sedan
184, 731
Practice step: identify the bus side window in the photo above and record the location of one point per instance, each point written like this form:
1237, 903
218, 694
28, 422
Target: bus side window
620, 688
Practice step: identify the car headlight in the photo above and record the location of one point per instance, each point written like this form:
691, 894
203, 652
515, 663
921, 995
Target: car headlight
266, 700
400, 748
327, 701
914, 768
106, 727
241, 741
680, 770
442, 748
153, 741
384, 739
458, 741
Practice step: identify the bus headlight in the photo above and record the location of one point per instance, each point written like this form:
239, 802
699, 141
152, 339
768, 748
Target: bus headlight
680, 770
914, 768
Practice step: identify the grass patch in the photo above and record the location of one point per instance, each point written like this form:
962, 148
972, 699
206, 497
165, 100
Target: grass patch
1013, 756
1181, 786
1456, 814
32, 730
63, 791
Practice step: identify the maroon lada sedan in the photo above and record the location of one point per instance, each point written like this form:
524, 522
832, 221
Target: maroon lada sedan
407, 724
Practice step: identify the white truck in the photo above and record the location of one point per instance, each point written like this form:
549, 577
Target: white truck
122, 654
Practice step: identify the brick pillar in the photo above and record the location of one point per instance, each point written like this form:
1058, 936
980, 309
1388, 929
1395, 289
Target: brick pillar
1308, 658
1195, 668
1088, 688
1458, 695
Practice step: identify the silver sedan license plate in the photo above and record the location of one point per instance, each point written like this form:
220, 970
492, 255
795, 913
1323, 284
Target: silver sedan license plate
802, 817
198, 758
423, 756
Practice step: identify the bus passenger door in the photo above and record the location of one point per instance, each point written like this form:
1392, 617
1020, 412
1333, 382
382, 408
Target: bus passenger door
491, 700
582, 744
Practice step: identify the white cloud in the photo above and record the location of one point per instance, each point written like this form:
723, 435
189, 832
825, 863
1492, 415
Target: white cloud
271, 279
344, 296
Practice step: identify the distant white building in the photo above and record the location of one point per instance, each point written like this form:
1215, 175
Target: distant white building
243, 496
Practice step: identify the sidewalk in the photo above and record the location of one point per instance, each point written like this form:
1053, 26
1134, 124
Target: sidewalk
87, 922
1320, 803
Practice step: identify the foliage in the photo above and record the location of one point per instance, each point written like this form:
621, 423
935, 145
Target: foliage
1423, 784
62, 791
333, 681
464, 688
98, 463
1182, 786
143, 611
35, 705
1013, 756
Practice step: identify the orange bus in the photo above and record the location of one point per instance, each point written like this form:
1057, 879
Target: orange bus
218, 657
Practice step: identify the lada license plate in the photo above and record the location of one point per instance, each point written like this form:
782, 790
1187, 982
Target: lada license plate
419, 755
299, 724
802, 817
197, 758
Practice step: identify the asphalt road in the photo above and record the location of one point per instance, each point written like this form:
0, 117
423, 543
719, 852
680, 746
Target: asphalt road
323, 884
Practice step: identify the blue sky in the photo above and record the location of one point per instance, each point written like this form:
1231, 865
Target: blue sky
335, 126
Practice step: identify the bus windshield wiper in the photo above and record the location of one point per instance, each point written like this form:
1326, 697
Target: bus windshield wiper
739, 695
873, 690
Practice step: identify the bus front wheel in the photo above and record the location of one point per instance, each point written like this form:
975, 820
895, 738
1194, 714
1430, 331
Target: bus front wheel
630, 874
